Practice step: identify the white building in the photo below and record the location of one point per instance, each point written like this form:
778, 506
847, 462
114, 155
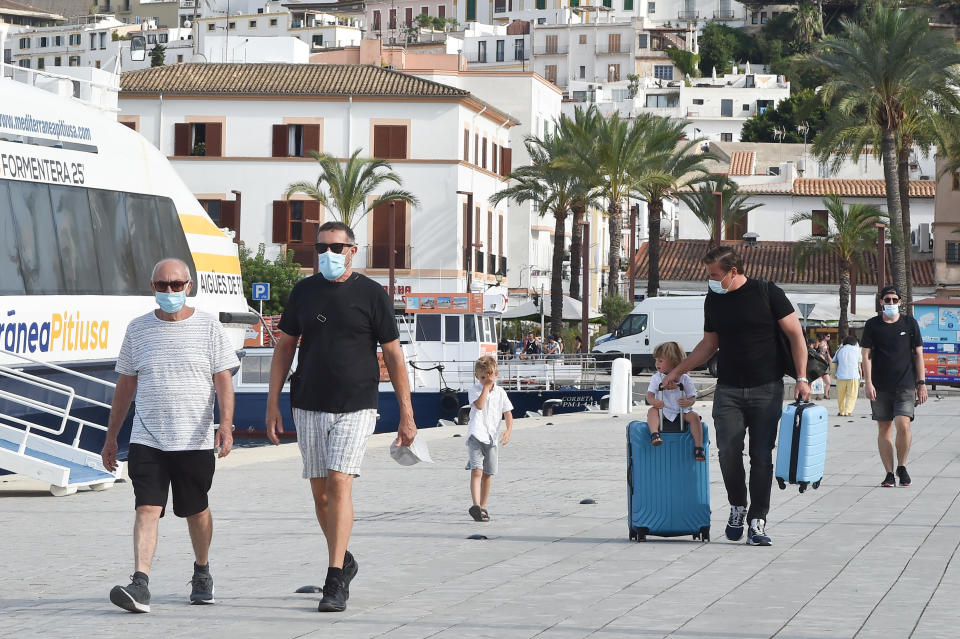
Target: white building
240, 133
715, 107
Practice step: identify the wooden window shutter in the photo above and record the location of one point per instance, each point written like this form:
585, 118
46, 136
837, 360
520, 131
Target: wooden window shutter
130, 125
280, 143
230, 218
483, 154
466, 235
500, 236
311, 211
489, 233
505, 161
398, 142
381, 142
304, 254
181, 138
494, 151
214, 139
281, 221
311, 139
466, 146
476, 226
476, 148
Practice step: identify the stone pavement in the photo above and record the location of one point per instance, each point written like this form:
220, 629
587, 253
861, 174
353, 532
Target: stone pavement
849, 560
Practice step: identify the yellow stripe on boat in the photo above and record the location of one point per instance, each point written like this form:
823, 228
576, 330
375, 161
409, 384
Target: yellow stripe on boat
211, 263
199, 225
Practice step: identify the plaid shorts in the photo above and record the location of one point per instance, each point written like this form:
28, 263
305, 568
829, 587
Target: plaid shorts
333, 441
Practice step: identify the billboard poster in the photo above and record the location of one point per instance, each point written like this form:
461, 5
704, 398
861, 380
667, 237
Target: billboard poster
940, 332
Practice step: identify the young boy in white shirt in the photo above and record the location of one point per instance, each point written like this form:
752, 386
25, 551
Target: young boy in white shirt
676, 404
488, 405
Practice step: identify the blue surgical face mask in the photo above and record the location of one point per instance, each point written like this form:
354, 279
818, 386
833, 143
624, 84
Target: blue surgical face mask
332, 265
717, 286
171, 302
891, 310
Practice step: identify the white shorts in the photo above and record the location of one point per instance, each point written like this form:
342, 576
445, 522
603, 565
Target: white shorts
333, 441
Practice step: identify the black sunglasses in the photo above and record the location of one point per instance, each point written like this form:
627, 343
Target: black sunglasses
336, 247
176, 286
891, 300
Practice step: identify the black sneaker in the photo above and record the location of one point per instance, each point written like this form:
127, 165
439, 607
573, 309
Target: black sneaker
201, 592
757, 536
135, 597
735, 523
903, 475
350, 568
334, 597
889, 481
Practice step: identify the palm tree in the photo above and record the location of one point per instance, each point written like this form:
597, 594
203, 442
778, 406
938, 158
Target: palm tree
553, 189
850, 235
807, 23
345, 188
881, 68
702, 202
668, 154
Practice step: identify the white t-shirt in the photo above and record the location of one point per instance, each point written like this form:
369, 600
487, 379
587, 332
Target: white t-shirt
485, 423
174, 363
671, 397
848, 360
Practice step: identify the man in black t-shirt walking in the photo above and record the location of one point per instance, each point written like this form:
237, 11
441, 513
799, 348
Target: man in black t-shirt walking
742, 323
894, 381
339, 317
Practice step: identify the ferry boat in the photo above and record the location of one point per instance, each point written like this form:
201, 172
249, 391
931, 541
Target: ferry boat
442, 336
87, 207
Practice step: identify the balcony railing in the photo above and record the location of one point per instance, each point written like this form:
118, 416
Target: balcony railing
724, 15
608, 50
378, 255
551, 50
688, 16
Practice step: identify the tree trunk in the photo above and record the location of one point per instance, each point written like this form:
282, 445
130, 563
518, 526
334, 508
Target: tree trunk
556, 278
654, 210
903, 177
894, 209
576, 248
843, 327
614, 226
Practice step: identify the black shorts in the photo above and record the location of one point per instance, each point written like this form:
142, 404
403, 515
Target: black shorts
189, 472
890, 404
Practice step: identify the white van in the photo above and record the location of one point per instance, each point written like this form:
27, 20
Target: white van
656, 320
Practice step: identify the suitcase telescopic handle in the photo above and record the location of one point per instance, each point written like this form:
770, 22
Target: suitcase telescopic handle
679, 385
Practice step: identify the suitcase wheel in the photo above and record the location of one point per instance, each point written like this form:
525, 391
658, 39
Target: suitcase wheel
633, 534
803, 486
816, 484
640, 534
705, 534
781, 483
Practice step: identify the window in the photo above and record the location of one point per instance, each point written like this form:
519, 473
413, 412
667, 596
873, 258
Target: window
651, 7
451, 328
551, 44
57, 61
482, 51
198, 138
754, 18
273, 22
393, 18
500, 50
763, 17
956, 181
390, 141
211, 27
232, 25
726, 108
500, 6
750, 81
74, 39
642, 41
179, 58
43, 43
93, 41
379, 253
295, 140
296, 221
252, 24
470, 325
25, 63
58, 41
212, 207
24, 43
408, 16
746, 107
608, 3
698, 101
550, 72
663, 100
41, 63
518, 49
620, 95
541, 4
103, 40
105, 254
376, 20
163, 38
151, 38
424, 11
583, 72
726, 137
74, 61
656, 42
96, 64
471, 15
820, 223
613, 73
317, 40
763, 105
953, 253
441, 11
663, 71
428, 328
613, 43
582, 38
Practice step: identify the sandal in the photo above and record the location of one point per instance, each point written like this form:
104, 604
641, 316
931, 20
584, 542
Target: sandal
476, 512
484, 515
698, 454
655, 439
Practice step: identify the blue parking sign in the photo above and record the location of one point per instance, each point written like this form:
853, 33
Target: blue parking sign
261, 291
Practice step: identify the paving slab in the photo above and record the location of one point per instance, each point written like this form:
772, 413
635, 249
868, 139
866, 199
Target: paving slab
849, 560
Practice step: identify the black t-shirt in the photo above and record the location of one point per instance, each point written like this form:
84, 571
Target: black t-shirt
892, 352
745, 328
340, 324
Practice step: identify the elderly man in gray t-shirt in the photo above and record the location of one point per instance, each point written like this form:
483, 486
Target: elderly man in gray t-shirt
173, 359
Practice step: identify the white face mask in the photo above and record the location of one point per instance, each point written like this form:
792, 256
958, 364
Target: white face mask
717, 286
891, 310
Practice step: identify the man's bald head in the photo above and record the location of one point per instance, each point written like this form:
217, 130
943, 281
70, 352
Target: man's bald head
170, 269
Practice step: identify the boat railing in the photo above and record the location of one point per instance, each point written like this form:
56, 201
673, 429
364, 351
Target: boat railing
64, 391
544, 373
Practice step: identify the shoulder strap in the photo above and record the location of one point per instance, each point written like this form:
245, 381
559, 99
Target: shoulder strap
765, 292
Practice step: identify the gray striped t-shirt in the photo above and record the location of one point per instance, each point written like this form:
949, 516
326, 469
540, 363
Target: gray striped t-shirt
174, 363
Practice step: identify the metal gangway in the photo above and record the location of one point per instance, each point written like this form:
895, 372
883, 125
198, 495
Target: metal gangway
26, 446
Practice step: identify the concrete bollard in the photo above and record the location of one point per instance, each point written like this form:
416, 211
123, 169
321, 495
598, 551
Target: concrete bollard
621, 387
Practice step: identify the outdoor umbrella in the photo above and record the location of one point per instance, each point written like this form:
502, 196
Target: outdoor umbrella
530, 311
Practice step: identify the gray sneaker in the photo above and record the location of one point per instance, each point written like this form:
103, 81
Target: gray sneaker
201, 589
135, 597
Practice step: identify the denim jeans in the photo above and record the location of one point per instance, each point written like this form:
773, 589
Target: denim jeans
735, 412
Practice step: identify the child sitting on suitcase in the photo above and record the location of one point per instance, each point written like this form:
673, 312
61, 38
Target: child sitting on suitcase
676, 403
488, 405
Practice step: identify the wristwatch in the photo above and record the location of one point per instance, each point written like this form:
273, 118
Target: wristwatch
921, 382
803, 379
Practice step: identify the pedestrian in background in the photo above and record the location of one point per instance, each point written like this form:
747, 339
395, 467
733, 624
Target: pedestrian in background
823, 347
849, 372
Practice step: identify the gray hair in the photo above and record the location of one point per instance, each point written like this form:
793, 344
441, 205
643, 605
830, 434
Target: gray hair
175, 260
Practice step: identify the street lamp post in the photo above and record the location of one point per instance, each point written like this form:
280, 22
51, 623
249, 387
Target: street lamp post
393, 245
468, 240
585, 297
634, 213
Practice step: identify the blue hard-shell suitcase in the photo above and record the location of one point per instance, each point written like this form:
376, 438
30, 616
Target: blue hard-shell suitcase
668, 491
802, 447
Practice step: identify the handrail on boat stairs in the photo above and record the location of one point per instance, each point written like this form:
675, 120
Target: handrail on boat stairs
64, 466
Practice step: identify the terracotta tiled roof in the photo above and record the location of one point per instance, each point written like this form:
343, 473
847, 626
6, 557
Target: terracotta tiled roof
742, 162
282, 79
819, 187
680, 261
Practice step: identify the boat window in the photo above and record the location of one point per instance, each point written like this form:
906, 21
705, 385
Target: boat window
451, 328
115, 239
469, 328
255, 370
428, 328
491, 329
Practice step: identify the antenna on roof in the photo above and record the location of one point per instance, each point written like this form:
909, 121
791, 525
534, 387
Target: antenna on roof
778, 134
